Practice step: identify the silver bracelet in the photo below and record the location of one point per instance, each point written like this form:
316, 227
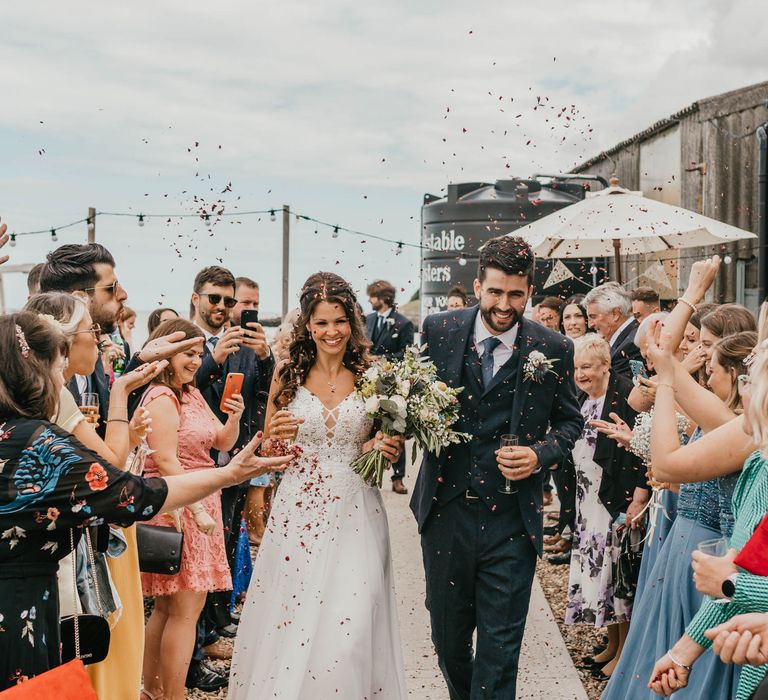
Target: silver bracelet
677, 663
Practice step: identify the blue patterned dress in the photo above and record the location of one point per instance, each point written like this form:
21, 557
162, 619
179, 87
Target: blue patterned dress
49, 484
670, 600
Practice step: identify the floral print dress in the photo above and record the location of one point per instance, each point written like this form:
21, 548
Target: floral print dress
595, 542
49, 484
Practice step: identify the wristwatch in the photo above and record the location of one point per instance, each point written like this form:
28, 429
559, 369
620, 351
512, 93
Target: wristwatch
729, 586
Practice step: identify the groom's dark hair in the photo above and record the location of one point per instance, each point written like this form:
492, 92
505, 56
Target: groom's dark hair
510, 254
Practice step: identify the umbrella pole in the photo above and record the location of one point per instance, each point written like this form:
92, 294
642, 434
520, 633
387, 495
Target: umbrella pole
617, 258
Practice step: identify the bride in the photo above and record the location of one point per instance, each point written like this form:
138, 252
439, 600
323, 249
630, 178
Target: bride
320, 619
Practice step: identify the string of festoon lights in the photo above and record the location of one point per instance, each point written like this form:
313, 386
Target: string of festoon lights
210, 218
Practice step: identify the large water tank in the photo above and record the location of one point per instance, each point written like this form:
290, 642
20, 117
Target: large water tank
454, 227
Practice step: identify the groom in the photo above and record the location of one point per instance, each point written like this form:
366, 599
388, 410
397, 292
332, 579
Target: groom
479, 545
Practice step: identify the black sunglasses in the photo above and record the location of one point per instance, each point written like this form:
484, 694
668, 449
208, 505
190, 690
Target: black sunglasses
215, 299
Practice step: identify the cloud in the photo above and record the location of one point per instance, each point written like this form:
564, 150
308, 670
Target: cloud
347, 111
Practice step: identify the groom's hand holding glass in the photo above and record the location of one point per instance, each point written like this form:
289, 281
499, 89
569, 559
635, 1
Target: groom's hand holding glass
517, 462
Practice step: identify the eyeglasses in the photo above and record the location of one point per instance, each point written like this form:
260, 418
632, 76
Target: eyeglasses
215, 299
94, 328
743, 383
111, 287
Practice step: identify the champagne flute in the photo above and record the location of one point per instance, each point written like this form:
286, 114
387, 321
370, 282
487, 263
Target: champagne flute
89, 407
717, 547
508, 441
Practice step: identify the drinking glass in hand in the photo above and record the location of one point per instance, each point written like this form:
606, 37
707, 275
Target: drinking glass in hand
89, 407
508, 441
717, 547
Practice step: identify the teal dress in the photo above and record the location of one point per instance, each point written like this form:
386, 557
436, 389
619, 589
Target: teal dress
750, 502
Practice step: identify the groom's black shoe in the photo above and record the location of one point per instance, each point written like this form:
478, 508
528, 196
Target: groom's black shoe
204, 677
558, 559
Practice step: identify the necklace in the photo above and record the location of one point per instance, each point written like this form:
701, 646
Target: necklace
332, 386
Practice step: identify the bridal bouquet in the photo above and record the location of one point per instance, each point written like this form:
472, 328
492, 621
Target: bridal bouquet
406, 398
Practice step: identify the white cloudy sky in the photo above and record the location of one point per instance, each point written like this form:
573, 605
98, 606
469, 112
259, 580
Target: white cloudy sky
349, 112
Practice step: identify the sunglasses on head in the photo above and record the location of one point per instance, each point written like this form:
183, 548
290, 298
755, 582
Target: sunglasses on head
215, 299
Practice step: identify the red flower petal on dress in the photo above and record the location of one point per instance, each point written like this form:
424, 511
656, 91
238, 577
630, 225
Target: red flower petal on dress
97, 477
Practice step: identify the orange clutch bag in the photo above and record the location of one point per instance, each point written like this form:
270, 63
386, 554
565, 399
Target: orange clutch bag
66, 682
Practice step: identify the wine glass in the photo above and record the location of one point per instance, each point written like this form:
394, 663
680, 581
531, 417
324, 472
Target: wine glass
89, 407
508, 441
717, 547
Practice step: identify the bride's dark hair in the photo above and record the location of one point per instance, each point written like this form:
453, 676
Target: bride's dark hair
322, 286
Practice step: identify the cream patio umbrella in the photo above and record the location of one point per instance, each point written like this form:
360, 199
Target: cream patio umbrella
616, 221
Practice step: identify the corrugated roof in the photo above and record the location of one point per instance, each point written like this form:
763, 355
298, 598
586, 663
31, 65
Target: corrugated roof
666, 123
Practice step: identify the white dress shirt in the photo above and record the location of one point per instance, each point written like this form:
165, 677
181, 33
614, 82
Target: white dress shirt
503, 351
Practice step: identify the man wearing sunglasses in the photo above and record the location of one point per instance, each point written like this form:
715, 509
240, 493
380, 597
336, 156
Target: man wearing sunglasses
228, 348
90, 269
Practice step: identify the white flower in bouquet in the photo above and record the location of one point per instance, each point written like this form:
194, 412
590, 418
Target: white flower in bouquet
372, 404
404, 388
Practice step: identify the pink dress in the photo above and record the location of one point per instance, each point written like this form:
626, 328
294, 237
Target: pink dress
204, 564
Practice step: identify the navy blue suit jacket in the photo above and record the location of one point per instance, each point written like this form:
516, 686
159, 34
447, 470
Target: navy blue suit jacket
394, 338
551, 403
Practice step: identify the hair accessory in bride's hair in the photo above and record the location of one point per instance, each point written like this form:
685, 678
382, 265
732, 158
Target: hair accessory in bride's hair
22, 341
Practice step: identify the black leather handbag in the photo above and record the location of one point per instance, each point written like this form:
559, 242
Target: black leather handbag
84, 636
159, 549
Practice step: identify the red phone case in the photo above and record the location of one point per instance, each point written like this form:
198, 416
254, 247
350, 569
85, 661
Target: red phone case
232, 385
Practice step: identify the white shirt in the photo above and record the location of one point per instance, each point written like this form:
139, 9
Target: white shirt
503, 351
209, 335
620, 330
82, 383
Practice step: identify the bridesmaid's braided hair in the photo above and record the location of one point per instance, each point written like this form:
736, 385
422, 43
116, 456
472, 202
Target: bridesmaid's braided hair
322, 286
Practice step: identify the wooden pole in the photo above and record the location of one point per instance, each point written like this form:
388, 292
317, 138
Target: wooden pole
617, 258
286, 254
91, 224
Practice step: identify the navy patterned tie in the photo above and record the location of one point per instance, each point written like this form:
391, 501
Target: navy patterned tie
486, 361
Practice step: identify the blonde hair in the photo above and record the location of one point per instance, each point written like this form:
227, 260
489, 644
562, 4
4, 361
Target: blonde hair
758, 401
593, 344
67, 309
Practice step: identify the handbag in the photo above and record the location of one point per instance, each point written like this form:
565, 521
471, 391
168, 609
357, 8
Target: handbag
159, 549
626, 570
66, 682
84, 636
753, 556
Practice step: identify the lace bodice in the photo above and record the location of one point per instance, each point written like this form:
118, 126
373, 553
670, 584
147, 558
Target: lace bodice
331, 441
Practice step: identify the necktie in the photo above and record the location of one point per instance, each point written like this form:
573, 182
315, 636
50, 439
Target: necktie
213, 340
379, 326
486, 361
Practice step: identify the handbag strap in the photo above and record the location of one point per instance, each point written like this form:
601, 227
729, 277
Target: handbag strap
76, 596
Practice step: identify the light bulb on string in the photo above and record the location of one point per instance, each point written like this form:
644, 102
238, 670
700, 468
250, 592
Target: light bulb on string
91, 226
207, 220
593, 270
272, 216
54, 237
399, 250
335, 233
141, 219
727, 260
462, 261
13, 240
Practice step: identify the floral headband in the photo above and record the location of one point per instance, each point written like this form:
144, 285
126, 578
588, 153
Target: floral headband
21, 339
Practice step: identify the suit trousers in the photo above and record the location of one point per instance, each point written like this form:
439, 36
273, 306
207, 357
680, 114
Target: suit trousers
479, 568
398, 468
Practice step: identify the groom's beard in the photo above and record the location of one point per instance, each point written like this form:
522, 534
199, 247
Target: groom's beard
496, 324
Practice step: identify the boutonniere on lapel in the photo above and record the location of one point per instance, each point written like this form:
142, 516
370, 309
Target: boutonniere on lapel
389, 321
537, 366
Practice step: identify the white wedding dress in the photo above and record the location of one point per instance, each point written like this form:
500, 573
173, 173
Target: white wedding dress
320, 620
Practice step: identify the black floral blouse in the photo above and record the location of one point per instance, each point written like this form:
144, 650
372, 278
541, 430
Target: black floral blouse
49, 483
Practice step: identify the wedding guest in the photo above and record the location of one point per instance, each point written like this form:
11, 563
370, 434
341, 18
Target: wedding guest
610, 482
717, 576
574, 321
125, 325
722, 321
254, 505
457, 297
550, 312
693, 355
390, 334
67, 485
185, 432
609, 310
669, 599
645, 301
218, 300
118, 677
743, 640
282, 342
158, 316
33, 280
